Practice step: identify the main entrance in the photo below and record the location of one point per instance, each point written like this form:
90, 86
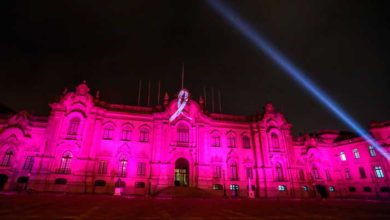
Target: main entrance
3, 180
182, 172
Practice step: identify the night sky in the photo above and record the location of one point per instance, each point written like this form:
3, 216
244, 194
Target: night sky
343, 46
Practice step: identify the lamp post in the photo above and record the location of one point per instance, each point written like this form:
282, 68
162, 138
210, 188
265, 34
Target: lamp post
224, 184
375, 182
28, 180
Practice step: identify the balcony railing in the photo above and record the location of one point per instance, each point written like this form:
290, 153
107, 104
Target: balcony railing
63, 171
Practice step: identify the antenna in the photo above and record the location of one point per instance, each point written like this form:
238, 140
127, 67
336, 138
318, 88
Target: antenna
182, 76
139, 92
220, 101
158, 92
212, 99
205, 96
149, 93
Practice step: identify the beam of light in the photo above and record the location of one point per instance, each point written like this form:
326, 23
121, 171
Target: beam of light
262, 44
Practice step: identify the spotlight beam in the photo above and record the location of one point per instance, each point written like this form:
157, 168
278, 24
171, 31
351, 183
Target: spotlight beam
283, 62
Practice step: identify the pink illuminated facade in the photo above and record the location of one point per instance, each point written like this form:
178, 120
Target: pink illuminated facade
88, 145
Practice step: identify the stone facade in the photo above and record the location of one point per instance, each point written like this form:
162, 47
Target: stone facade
87, 145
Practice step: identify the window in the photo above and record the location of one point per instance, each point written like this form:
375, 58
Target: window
385, 189
217, 172
279, 172
347, 174
74, 124
65, 163
246, 143
122, 166
126, 134
362, 173
331, 189
60, 181
316, 174
100, 183
305, 188
328, 176
141, 169
215, 140
282, 188
274, 141
233, 171
342, 156
356, 153
28, 163
7, 158
140, 185
183, 135
108, 132
379, 172
367, 189
144, 135
372, 151
352, 189
120, 183
249, 173
301, 175
231, 141
23, 179
217, 187
102, 167
234, 187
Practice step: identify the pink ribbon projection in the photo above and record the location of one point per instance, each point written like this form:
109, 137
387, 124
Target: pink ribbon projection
182, 100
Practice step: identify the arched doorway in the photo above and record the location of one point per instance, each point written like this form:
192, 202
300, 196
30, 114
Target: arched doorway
182, 172
321, 189
3, 180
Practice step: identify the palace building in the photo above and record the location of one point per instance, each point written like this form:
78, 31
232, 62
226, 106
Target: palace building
87, 145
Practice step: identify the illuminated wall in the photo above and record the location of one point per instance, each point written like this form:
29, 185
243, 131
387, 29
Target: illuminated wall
88, 145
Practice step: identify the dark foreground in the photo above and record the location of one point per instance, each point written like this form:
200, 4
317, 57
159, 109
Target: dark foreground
109, 207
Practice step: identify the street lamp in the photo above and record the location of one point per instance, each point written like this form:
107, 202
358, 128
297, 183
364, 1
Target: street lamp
224, 184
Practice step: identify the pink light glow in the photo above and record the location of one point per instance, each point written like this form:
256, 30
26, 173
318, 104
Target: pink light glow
87, 145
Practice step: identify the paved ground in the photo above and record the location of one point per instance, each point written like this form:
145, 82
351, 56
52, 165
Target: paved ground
109, 207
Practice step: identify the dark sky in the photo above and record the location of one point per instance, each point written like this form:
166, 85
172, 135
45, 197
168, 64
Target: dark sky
342, 45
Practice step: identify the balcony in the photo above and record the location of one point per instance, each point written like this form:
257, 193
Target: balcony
63, 171
182, 144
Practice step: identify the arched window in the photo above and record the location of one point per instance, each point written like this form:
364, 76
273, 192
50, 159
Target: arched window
233, 171
342, 156
379, 172
144, 135
217, 172
279, 172
28, 163
362, 173
108, 132
316, 174
231, 141
65, 163
183, 134
328, 176
301, 175
126, 134
246, 143
356, 153
74, 124
274, 140
122, 166
7, 158
215, 140
372, 151
347, 174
